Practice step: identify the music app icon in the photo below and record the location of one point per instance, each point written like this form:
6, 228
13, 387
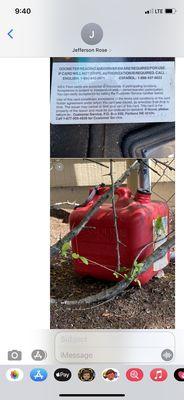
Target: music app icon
158, 375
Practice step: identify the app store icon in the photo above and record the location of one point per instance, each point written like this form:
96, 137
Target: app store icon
38, 375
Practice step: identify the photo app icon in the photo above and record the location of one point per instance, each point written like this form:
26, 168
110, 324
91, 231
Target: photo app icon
14, 375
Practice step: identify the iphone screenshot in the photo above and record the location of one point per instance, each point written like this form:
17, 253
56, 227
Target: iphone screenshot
91, 117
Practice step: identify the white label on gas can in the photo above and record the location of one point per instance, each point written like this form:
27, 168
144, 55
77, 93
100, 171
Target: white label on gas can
159, 237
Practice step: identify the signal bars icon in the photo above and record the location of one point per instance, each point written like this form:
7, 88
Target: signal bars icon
151, 11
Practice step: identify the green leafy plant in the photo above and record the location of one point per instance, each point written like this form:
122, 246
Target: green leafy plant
125, 272
64, 250
132, 275
84, 260
124, 269
137, 267
76, 256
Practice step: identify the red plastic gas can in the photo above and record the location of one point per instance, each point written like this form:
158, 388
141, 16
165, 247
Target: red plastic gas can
137, 220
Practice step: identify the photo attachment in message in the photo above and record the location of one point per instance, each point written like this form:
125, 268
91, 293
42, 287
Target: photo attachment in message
112, 107
112, 243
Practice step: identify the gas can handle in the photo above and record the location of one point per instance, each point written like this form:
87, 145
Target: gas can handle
91, 196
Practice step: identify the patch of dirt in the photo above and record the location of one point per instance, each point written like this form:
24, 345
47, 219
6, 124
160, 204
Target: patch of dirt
57, 228
151, 307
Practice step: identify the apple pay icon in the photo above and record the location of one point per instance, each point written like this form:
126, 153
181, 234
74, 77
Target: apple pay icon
62, 374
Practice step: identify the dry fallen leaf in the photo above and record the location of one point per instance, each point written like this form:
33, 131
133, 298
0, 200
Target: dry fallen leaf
106, 314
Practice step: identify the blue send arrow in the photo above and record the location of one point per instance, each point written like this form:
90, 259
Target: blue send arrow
10, 33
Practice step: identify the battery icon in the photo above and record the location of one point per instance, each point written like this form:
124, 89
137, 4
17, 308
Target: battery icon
170, 10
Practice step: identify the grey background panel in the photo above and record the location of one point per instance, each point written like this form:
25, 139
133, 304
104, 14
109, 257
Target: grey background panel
50, 389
